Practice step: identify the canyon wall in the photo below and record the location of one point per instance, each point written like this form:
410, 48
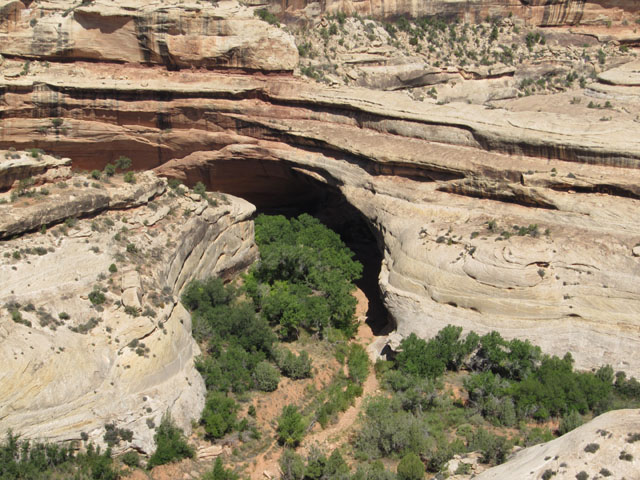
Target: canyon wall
430, 178
174, 35
534, 12
512, 218
74, 365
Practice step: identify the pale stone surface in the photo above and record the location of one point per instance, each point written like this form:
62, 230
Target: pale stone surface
445, 188
82, 198
13, 170
412, 162
566, 455
127, 370
174, 34
625, 75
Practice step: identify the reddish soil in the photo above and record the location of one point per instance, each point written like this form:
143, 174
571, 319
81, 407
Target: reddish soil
269, 406
289, 392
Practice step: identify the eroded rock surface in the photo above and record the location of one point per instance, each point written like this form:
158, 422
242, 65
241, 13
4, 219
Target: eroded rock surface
74, 362
520, 216
171, 33
537, 12
604, 447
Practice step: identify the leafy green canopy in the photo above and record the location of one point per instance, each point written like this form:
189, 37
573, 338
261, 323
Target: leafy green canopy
510, 379
305, 276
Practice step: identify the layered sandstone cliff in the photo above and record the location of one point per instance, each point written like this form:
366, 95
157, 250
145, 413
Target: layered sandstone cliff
74, 363
520, 216
534, 12
169, 33
428, 177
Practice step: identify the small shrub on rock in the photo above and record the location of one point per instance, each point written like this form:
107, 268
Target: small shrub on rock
96, 297
592, 448
129, 177
627, 457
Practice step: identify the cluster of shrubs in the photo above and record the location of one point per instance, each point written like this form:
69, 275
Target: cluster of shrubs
304, 278
21, 459
509, 383
304, 281
317, 465
510, 380
240, 351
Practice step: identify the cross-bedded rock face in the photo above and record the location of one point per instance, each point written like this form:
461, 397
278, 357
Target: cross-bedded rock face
521, 217
169, 33
91, 325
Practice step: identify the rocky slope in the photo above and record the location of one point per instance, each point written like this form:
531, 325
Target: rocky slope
605, 447
536, 12
76, 360
521, 216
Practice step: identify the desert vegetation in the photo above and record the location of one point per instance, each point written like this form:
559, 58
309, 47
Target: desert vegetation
328, 47
303, 283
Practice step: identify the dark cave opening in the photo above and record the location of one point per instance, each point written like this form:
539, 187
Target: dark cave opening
277, 189
332, 209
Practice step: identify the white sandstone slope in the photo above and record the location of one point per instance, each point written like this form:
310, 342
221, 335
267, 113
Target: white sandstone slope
611, 435
129, 360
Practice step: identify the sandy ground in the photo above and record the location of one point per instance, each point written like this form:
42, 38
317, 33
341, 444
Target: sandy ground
266, 464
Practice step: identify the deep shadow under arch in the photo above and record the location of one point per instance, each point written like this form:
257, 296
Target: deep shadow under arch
276, 188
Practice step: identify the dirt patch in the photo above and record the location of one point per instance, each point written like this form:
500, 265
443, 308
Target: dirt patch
290, 392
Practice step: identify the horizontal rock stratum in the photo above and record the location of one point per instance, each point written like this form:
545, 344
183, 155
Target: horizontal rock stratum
534, 12
509, 217
173, 34
428, 177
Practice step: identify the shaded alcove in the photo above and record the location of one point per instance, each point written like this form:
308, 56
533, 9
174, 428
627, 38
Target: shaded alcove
276, 188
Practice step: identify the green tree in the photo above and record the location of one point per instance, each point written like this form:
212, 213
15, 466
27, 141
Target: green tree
291, 465
309, 271
292, 365
420, 358
266, 377
109, 170
410, 468
171, 444
291, 427
219, 472
336, 467
129, 177
123, 163
358, 363
219, 415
